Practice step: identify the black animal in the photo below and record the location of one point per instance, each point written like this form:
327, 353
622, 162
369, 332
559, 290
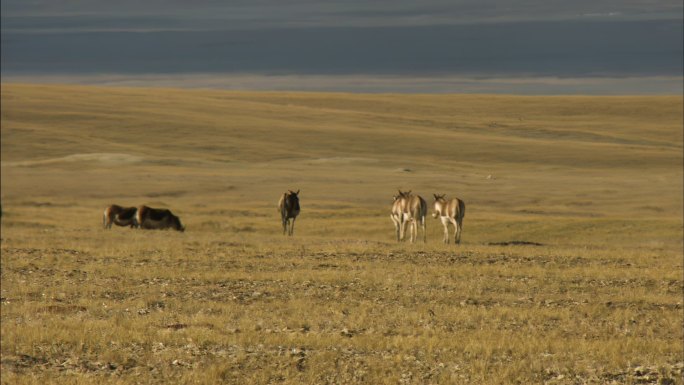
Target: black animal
158, 219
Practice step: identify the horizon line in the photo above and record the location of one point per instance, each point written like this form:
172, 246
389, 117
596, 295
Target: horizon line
371, 83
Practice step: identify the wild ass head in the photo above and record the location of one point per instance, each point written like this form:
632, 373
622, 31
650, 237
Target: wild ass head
438, 205
402, 195
176, 223
292, 200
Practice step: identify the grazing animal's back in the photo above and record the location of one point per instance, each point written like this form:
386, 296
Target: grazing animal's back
158, 219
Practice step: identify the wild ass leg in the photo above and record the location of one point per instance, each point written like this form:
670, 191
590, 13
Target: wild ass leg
408, 225
455, 231
459, 230
403, 224
292, 226
397, 226
445, 223
424, 225
285, 220
457, 235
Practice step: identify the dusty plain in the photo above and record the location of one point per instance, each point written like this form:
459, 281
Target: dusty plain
570, 270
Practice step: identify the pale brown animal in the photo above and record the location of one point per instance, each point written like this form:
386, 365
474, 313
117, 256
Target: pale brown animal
158, 219
409, 209
397, 213
120, 216
288, 205
451, 211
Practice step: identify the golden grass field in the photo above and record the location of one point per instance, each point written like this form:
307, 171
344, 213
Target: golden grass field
595, 181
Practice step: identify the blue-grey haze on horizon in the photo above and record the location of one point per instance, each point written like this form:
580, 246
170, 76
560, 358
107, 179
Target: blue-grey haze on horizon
523, 39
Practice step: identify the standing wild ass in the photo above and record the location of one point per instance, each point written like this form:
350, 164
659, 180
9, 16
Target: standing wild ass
451, 211
158, 219
120, 216
409, 209
397, 215
288, 205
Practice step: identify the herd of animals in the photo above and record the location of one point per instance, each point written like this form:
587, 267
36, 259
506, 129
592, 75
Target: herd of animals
408, 210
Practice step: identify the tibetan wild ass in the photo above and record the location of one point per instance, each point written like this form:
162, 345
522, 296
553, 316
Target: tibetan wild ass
451, 211
120, 216
397, 215
289, 209
158, 219
409, 209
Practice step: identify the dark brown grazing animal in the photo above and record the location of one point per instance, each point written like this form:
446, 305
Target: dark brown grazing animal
158, 219
288, 205
120, 216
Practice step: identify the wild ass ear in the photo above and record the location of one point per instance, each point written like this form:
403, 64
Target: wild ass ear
297, 193
436, 196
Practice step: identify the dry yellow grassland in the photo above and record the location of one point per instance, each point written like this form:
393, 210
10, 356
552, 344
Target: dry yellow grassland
595, 182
